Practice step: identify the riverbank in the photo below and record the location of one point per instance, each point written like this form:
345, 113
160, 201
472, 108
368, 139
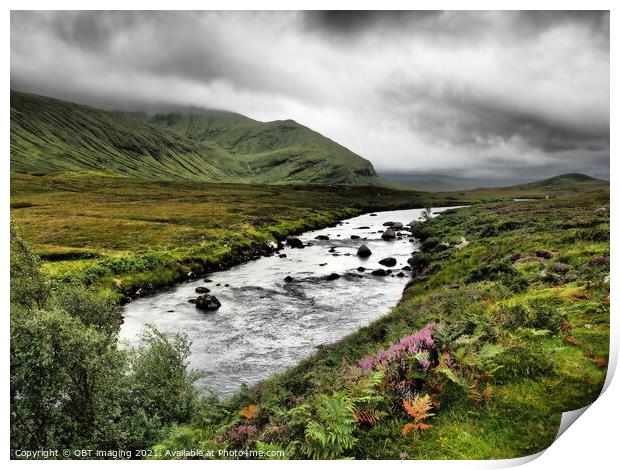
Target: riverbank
504, 325
125, 237
275, 311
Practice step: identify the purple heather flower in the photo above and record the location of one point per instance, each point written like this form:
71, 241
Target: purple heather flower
420, 341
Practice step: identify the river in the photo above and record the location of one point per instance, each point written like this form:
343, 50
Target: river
265, 324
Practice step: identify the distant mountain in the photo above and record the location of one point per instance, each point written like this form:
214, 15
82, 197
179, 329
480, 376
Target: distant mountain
569, 181
431, 182
53, 136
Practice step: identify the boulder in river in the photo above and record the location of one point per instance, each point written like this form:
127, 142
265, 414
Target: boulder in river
361, 269
379, 272
208, 280
388, 224
388, 262
363, 251
201, 290
294, 242
288, 279
355, 237
332, 277
207, 302
321, 237
388, 235
282, 255
396, 226
363, 228
373, 215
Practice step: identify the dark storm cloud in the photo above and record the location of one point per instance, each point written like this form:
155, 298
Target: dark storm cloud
482, 93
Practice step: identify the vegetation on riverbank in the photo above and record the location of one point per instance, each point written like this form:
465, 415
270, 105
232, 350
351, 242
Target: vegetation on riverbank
108, 232
504, 326
71, 386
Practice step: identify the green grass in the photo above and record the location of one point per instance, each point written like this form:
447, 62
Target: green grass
50, 136
150, 234
535, 329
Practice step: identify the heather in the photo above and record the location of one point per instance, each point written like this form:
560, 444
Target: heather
504, 325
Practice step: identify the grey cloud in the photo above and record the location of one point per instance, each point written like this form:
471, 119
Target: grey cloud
467, 92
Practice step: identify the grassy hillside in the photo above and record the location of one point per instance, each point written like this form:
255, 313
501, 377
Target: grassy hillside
504, 326
560, 185
282, 151
50, 136
101, 228
431, 182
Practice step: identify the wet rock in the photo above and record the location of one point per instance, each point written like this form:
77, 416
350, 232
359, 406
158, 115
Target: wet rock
406, 268
388, 235
332, 249
288, 279
208, 302
226, 285
373, 215
282, 255
355, 237
208, 280
321, 237
379, 272
169, 311
191, 301
323, 264
401, 274
396, 226
332, 277
361, 269
363, 251
201, 290
388, 262
363, 228
388, 224
294, 242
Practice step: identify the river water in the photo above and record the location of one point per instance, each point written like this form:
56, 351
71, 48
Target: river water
265, 324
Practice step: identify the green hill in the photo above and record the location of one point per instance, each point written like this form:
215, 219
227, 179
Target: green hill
52, 136
567, 181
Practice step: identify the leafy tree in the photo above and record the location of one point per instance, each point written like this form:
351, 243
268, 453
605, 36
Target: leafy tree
71, 387
29, 285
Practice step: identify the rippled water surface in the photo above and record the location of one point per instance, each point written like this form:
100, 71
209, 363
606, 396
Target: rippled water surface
265, 324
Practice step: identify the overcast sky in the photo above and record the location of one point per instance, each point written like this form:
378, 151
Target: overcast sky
502, 94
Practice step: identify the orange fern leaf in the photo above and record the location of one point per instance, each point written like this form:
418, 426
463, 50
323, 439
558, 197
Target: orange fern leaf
249, 412
407, 428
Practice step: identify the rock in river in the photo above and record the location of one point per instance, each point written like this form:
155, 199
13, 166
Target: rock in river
363, 251
294, 242
379, 272
355, 237
332, 277
388, 235
397, 226
321, 237
207, 302
201, 290
388, 262
288, 279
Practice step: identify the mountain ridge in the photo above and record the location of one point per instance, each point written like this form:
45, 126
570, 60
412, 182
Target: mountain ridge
55, 136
